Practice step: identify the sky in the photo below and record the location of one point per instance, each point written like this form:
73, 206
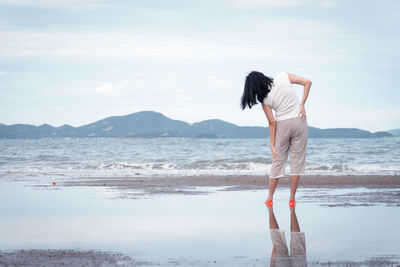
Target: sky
78, 61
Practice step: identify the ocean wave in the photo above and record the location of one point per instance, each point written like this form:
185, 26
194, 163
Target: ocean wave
353, 169
126, 169
254, 160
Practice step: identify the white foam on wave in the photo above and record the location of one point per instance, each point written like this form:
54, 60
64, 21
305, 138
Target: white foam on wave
129, 169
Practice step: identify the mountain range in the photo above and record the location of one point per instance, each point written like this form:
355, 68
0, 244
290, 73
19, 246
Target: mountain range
150, 124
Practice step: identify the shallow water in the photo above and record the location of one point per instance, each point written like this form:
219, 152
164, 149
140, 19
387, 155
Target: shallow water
113, 157
227, 227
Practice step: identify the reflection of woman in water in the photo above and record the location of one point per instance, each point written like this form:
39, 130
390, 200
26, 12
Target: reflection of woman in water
280, 254
288, 128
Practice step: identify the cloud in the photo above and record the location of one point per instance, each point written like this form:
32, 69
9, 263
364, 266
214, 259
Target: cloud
239, 45
95, 89
2, 73
102, 4
105, 87
52, 53
65, 4
280, 3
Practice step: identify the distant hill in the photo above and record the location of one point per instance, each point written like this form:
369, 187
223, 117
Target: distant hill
148, 124
395, 132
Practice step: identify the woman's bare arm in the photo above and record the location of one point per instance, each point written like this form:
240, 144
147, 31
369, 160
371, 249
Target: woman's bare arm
307, 85
272, 128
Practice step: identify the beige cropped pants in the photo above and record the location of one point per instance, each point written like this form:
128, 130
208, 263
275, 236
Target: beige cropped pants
291, 135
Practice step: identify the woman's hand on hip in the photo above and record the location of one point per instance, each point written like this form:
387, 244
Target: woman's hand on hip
302, 113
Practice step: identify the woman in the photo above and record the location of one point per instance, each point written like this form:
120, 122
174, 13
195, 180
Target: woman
288, 128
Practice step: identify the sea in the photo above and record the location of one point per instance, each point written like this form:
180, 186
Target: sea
131, 157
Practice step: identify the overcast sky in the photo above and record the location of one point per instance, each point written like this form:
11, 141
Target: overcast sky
78, 61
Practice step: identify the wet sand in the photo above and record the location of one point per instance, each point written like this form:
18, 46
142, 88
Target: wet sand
51, 257
164, 184
317, 186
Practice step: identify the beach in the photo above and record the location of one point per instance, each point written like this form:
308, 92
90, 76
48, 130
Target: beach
196, 221
193, 202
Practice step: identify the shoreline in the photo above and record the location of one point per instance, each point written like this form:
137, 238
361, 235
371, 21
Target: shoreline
236, 180
193, 185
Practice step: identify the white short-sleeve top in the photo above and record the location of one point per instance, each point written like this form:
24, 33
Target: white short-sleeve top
282, 98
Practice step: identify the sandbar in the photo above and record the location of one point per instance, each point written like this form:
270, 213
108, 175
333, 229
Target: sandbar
348, 190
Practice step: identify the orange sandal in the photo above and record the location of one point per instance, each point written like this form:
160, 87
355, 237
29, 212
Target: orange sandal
292, 203
268, 203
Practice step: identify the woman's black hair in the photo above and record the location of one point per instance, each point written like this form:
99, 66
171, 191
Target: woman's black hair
257, 86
